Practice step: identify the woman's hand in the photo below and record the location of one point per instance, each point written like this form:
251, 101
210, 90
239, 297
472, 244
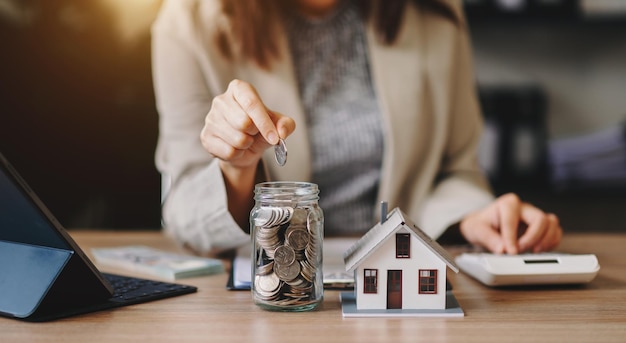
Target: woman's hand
511, 226
237, 130
238, 127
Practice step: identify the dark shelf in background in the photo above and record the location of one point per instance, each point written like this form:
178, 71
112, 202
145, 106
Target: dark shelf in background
556, 12
593, 210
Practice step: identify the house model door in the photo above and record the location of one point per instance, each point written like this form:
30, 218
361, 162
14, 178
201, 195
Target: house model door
394, 289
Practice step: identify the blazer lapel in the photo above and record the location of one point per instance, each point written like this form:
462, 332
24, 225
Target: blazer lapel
398, 77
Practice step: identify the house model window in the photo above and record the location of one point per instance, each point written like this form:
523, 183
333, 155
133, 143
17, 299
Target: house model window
371, 281
428, 281
403, 245
397, 266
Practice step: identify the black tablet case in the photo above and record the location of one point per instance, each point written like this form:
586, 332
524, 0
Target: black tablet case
42, 269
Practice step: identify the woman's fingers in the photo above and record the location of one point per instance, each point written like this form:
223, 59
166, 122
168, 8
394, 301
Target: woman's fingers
249, 101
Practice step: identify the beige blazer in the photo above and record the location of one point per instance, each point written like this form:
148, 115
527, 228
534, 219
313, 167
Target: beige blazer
424, 85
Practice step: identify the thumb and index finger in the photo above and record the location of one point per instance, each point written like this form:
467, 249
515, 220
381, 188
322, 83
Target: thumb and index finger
514, 213
498, 228
270, 124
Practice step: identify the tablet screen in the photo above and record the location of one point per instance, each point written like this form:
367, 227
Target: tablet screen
21, 220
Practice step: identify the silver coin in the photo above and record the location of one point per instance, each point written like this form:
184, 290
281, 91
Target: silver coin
280, 152
267, 283
287, 272
265, 269
264, 215
284, 255
272, 216
299, 216
297, 238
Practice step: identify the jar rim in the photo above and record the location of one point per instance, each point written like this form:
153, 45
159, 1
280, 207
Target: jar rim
286, 190
286, 184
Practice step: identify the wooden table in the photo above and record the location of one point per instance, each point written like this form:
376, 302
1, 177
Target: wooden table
591, 313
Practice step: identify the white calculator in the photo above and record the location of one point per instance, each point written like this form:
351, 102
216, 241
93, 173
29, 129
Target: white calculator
529, 269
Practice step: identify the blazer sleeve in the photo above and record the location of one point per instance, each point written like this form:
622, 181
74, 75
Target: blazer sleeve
461, 186
195, 210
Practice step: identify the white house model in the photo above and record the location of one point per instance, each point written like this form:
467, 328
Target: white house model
397, 266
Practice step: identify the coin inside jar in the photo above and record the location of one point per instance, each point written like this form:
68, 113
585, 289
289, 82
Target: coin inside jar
287, 272
284, 255
268, 284
298, 238
280, 152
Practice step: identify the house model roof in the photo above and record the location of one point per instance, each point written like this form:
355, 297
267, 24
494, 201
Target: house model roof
394, 221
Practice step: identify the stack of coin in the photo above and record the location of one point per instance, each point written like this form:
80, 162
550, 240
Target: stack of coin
287, 270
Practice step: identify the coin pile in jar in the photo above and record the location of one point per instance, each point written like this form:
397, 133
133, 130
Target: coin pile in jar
287, 255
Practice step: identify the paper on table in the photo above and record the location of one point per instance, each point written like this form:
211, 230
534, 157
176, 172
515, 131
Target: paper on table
146, 260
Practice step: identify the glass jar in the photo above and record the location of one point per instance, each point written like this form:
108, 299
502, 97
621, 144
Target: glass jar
287, 228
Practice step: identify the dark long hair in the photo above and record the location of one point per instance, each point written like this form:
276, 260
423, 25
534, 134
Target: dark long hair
255, 24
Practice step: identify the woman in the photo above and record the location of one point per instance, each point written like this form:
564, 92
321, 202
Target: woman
383, 96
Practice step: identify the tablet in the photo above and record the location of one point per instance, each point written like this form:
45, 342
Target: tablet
44, 274
529, 269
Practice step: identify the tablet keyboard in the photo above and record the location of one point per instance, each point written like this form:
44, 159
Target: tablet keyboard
127, 291
131, 290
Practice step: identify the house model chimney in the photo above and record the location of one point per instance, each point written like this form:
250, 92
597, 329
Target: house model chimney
383, 211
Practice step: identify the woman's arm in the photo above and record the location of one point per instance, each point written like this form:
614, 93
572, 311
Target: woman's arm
195, 209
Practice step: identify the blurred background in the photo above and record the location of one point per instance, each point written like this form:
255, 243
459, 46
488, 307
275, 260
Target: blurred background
77, 112
78, 119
